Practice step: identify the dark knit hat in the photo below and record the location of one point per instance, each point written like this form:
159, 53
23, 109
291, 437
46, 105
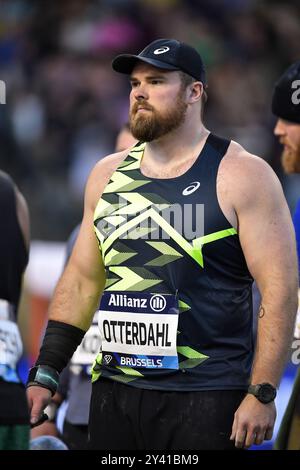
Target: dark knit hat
286, 95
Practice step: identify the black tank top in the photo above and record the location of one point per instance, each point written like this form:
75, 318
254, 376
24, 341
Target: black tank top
14, 255
13, 260
205, 269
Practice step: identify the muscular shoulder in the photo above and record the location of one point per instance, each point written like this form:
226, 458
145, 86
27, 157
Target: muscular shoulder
239, 162
244, 177
101, 174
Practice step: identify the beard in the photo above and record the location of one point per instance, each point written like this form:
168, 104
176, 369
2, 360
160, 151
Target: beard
154, 124
290, 160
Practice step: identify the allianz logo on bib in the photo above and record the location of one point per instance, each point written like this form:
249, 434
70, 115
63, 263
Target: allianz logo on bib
157, 302
107, 358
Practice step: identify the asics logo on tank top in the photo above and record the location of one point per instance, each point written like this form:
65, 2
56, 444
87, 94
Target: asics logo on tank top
161, 50
191, 188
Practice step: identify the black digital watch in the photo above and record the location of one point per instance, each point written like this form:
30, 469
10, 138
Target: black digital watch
264, 392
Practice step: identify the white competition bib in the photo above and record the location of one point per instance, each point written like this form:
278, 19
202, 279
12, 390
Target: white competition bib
89, 347
139, 330
10, 344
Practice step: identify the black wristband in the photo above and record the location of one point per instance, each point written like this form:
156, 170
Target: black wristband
43, 376
59, 344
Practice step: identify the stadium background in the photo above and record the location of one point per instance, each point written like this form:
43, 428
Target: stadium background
64, 104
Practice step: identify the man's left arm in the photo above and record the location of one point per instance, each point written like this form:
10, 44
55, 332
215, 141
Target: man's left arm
267, 238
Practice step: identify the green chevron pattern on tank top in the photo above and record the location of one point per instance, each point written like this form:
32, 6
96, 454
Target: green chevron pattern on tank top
115, 217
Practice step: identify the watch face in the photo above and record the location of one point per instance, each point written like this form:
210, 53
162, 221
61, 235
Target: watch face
266, 393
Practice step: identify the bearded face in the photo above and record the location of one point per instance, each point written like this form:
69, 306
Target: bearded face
289, 136
290, 159
148, 124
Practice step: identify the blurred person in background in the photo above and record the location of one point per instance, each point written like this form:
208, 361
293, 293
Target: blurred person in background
286, 106
14, 247
75, 381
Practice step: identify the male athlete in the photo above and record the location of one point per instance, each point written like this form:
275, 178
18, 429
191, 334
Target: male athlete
183, 223
286, 106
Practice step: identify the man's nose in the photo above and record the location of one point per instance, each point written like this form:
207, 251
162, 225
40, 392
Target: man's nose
279, 128
140, 92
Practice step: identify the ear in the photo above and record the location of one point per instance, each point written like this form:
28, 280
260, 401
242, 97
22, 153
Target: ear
195, 91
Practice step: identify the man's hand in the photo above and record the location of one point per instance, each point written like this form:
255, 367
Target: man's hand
38, 398
253, 422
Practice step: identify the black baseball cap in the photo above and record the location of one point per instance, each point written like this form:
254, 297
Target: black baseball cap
286, 95
168, 54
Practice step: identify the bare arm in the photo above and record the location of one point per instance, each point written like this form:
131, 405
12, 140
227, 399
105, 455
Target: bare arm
267, 239
77, 294
79, 288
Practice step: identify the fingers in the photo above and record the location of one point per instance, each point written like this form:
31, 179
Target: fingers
240, 438
238, 434
269, 433
245, 438
264, 434
234, 428
253, 423
43, 417
38, 399
255, 436
259, 438
36, 411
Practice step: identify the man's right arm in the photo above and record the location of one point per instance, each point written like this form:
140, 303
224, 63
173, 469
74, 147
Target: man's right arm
82, 282
75, 298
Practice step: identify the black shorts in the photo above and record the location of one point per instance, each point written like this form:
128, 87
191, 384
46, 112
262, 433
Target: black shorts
75, 436
129, 418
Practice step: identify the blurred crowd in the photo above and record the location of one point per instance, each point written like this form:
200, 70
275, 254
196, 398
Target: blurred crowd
65, 105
